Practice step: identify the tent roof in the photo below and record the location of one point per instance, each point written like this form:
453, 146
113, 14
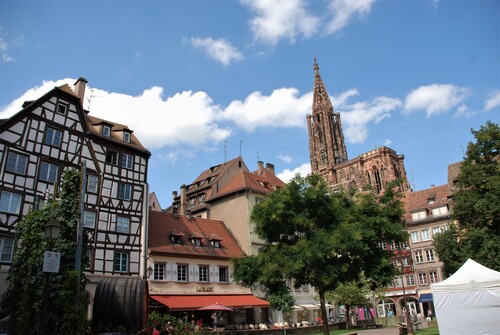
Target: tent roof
471, 275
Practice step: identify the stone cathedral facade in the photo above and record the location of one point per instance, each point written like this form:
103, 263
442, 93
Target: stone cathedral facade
328, 153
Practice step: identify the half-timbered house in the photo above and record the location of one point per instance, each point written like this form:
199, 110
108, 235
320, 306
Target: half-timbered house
54, 133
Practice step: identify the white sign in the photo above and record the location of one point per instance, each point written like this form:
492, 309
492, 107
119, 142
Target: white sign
51, 261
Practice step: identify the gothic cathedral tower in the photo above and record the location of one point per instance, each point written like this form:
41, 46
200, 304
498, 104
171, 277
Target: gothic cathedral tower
326, 141
328, 154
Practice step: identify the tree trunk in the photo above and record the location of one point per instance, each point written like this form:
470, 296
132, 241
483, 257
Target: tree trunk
324, 315
347, 317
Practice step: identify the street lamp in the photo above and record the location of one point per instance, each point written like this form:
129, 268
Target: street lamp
409, 326
51, 260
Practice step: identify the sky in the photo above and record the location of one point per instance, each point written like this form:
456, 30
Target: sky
203, 81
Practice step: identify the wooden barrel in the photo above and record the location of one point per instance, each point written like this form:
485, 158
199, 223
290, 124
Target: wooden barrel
121, 302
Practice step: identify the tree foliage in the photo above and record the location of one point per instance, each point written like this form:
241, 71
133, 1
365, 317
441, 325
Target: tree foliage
476, 206
321, 238
29, 288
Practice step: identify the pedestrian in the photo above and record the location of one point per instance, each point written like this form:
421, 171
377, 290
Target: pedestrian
215, 319
429, 315
156, 331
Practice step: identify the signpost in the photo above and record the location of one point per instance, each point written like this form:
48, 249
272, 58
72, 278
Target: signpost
51, 261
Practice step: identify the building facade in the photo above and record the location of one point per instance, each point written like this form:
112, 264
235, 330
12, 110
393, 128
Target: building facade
54, 133
189, 268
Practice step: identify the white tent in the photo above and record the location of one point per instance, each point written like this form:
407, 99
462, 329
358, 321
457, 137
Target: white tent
468, 302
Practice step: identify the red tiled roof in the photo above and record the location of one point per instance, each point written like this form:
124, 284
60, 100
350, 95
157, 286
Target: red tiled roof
249, 181
419, 200
162, 224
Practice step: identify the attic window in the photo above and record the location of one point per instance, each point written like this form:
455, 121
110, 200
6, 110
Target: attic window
106, 130
61, 108
201, 197
420, 215
196, 241
177, 240
126, 137
176, 237
431, 200
215, 241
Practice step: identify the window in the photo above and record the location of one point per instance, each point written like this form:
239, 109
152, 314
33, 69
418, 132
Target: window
92, 183
430, 201
425, 235
10, 202
121, 262
393, 245
422, 278
415, 236
203, 269
201, 198
196, 242
89, 219
435, 231
159, 272
6, 248
419, 257
182, 272
429, 253
433, 276
223, 275
176, 239
106, 130
443, 210
124, 191
16, 163
53, 137
127, 161
192, 201
122, 224
126, 137
48, 172
61, 108
410, 280
420, 215
406, 261
216, 244
403, 245
382, 245
112, 157
397, 281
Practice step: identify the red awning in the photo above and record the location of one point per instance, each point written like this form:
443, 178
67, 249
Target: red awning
192, 302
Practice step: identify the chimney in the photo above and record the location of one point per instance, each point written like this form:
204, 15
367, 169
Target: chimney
183, 204
80, 85
270, 168
174, 195
260, 164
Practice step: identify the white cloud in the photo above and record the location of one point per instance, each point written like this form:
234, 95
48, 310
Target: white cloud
493, 100
344, 10
387, 142
435, 99
6, 47
464, 111
285, 158
281, 19
193, 119
287, 174
220, 49
356, 117
184, 118
283, 108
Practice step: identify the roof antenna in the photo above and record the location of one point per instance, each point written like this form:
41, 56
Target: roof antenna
225, 151
241, 141
413, 181
258, 158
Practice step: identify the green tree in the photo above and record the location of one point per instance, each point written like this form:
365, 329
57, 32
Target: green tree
321, 238
29, 288
476, 206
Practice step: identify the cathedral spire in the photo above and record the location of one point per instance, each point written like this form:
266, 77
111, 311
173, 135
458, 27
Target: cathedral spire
326, 139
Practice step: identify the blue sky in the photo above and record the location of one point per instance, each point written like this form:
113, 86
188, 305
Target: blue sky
203, 81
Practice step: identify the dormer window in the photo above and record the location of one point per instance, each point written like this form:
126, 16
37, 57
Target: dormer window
196, 239
215, 241
438, 211
201, 197
192, 201
176, 237
431, 200
420, 215
106, 130
126, 137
